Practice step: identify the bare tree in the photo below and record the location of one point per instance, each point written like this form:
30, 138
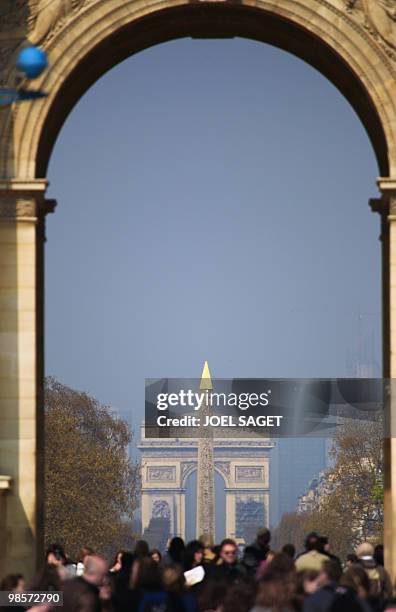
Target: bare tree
92, 488
349, 506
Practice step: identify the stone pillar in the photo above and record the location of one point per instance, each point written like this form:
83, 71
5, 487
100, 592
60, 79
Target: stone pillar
386, 207
22, 212
5, 486
266, 507
230, 514
181, 514
145, 510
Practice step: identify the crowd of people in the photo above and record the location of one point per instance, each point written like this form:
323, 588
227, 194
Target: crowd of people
202, 577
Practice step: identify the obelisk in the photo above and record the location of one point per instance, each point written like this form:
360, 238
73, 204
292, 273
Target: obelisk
205, 479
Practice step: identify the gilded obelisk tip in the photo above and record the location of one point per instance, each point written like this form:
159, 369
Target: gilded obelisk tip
206, 379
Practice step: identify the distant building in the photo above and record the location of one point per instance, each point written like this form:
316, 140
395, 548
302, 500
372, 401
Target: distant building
167, 464
294, 463
318, 489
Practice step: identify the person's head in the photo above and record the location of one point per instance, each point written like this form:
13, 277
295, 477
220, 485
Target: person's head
142, 549
14, 583
116, 565
156, 555
356, 578
206, 540
84, 552
276, 592
127, 560
365, 549
123, 572
212, 595
263, 537
95, 569
193, 554
146, 575
309, 581
351, 559
379, 554
330, 572
228, 551
240, 596
216, 551
280, 564
21, 584
176, 549
290, 550
173, 579
55, 555
324, 544
312, 541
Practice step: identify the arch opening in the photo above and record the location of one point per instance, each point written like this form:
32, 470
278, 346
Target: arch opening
191, 510
301, 213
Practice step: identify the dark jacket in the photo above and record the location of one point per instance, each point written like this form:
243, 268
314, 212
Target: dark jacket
322, 600
380, 582
227, 572
253, 556
151, 601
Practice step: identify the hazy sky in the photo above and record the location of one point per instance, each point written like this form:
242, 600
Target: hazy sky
212, 204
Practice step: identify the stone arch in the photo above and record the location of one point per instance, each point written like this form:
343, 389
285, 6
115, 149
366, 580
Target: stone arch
101, 34
192, 467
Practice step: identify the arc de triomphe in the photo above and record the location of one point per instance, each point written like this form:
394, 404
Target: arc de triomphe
242, 463
352, 42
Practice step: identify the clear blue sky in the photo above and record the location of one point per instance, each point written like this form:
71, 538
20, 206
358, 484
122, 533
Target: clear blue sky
212, 204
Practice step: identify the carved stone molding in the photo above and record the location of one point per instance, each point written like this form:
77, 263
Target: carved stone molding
249, 473
161, 509
187, 467
48, 17
378, 17
24, 200
161, 473
224, 468
386, 205
25, 208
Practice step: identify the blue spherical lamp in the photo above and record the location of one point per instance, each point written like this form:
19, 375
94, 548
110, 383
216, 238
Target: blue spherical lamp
32, 61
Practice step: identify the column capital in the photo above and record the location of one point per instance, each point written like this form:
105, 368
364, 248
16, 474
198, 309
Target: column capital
24, 185
24, 199
387, 184
386, 204
5, 483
